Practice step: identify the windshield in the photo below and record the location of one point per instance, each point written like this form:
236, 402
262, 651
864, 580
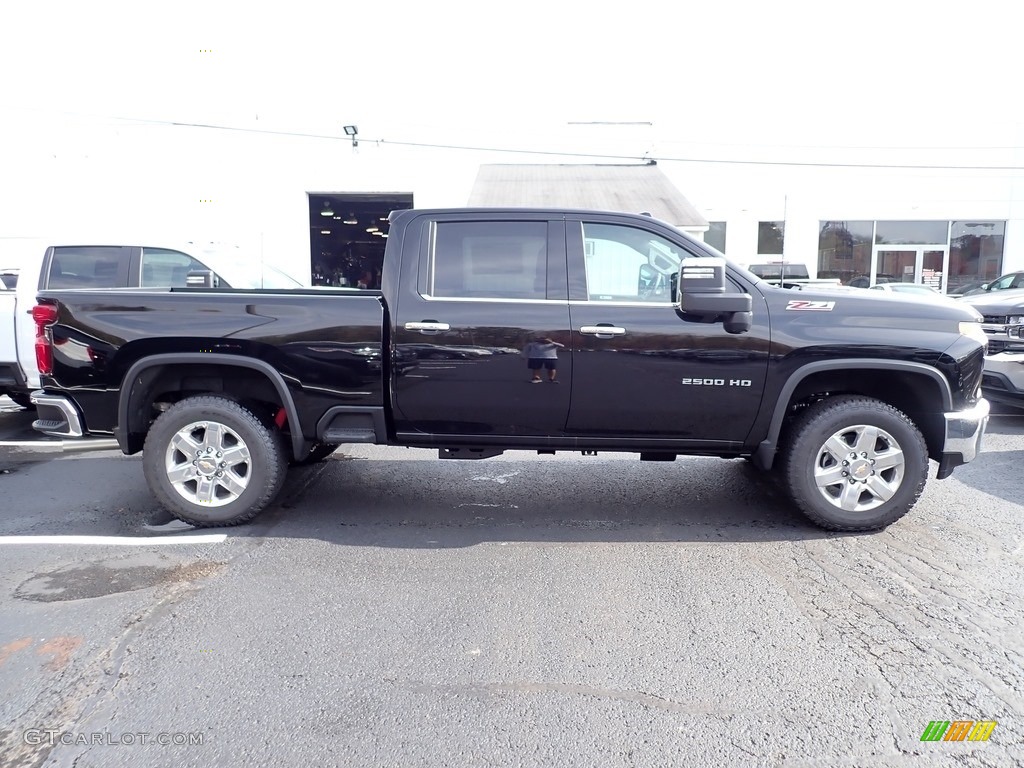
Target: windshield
262, 276
238, 271
231, 268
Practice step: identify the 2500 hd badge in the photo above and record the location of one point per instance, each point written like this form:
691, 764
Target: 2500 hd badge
716, 382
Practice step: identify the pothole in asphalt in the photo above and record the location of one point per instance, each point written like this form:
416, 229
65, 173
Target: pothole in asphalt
110, 577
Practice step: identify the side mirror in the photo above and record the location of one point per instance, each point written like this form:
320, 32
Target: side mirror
702, 295
200, 278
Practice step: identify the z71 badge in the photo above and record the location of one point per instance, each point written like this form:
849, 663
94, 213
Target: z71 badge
812, 306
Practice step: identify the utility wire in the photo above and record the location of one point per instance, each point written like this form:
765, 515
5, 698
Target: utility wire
599, 156
717, 161
646, 157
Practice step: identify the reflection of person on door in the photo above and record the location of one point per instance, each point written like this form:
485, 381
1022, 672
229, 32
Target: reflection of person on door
542, 353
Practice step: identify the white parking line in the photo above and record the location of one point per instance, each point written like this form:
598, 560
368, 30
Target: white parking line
118, 541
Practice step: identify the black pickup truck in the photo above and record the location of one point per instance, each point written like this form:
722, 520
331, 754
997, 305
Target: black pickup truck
536, 330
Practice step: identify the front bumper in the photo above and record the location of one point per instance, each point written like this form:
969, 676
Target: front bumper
962, 439
1003, 379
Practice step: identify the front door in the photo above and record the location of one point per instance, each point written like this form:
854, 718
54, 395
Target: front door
926, 264
640, 368
478, 297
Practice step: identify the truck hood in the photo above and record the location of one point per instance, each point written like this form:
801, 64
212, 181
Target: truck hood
997, 302
877, 305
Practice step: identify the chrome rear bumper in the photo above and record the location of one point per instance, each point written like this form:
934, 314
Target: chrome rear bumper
58, 416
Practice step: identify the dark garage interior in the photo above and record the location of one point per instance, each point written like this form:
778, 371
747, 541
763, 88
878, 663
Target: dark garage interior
347, 236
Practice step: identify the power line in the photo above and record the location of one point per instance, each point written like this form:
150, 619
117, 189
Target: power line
646, 157
662, 158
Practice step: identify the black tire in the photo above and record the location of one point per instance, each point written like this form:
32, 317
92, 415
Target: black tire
24, 399
848, 420
317, 453
257, 451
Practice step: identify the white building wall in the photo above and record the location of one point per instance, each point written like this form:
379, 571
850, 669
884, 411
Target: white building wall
805, 199
88, 179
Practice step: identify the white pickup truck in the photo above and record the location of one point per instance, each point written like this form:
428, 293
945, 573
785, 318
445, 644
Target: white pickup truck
38, 265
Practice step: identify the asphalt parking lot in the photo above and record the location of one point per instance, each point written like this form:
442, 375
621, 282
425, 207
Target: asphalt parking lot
392, 609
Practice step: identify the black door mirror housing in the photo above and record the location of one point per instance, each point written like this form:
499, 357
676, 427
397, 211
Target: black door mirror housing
702, 294
200, 278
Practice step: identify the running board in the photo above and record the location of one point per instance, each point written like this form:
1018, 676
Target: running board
341, 435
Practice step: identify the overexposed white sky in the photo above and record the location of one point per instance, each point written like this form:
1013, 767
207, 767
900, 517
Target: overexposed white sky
902, 81
713, 73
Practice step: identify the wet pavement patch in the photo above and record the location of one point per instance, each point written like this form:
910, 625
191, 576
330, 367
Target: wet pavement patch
110, 577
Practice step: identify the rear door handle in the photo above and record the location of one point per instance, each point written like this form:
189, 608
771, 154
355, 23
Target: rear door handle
603, 331
428, 326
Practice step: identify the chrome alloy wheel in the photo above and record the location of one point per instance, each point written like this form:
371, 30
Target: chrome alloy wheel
208, 463
859, 468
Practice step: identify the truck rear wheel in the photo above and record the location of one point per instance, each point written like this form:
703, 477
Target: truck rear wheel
212, 462
854, 463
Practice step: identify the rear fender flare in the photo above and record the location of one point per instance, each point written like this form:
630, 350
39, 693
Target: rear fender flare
132, 386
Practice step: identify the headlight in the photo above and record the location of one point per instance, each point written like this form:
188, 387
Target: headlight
1015, 319
973, 330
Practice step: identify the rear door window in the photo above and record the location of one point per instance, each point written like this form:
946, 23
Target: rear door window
88, 266
489, 260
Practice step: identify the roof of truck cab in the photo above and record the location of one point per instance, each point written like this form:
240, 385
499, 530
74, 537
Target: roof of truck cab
617, 188
505, 211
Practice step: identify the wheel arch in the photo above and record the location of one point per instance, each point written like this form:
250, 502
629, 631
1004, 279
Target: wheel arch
141, 384
917, 389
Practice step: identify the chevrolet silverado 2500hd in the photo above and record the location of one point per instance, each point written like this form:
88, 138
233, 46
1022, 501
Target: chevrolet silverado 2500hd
661, 348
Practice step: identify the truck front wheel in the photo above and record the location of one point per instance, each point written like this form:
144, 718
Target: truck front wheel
212, 462
854, 463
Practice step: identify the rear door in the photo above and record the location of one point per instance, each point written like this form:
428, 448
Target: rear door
475, 289
642, 369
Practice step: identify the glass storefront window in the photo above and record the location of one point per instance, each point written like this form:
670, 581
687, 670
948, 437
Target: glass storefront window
910, 232
844, 249
770, 237
975, 253
715, 236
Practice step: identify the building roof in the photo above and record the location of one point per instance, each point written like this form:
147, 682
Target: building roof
630, 188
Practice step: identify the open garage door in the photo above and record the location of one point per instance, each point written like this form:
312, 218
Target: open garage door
347, 235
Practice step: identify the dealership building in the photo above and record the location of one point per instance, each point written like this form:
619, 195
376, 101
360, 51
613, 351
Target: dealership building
317, 206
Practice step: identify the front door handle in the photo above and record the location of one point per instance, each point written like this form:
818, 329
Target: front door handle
428, 326
603, 331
